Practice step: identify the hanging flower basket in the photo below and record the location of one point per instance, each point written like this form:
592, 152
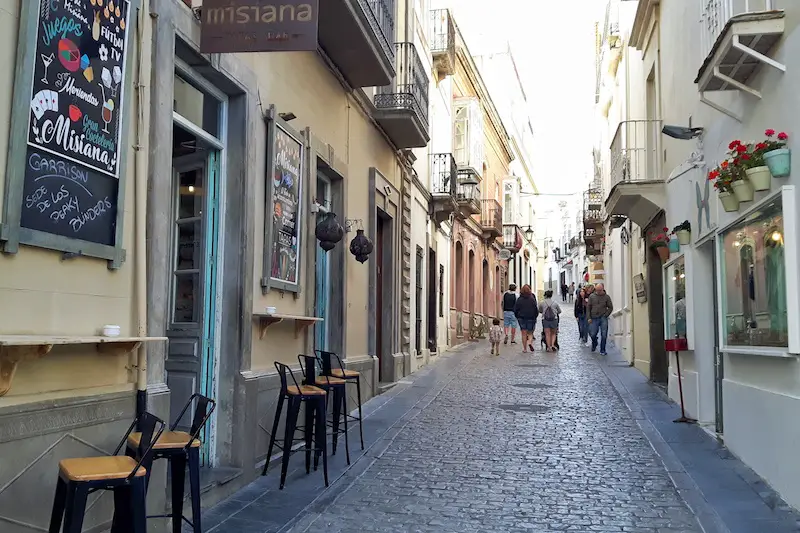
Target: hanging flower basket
776, 156
743, 190
730, 203
660, 243
683, 232
663, 253
760, 177
674, 246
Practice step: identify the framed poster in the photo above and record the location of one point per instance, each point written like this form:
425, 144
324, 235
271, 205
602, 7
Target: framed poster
283, 207
64, 172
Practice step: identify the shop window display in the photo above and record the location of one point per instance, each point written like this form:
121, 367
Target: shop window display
754, 280
676, 299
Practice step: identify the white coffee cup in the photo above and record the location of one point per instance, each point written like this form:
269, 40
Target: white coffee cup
111, 331
271, 310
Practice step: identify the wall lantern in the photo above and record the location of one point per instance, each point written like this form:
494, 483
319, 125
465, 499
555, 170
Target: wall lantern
529, 233
360, 246
329, 231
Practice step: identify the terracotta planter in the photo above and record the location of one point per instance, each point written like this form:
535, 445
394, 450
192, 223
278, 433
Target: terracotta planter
730, 202
663, 253
760, 178
743, 190
684, 236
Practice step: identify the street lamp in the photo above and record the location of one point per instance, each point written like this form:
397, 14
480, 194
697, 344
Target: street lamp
529, 233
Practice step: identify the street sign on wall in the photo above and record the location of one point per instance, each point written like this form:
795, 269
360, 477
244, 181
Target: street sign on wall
230, 26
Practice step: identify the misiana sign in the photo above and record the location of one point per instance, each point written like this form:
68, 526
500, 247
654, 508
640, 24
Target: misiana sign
229, 26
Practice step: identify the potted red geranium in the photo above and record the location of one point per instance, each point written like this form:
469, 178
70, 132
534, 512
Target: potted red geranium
750, 158
660, 243
722, 176
776, 156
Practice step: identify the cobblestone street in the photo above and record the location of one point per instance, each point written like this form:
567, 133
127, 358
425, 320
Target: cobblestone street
520, 442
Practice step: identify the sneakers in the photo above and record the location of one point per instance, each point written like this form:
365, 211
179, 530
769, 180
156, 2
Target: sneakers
505, 340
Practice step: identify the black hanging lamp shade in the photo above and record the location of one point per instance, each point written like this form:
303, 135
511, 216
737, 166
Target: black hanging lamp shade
329, 231
361, 246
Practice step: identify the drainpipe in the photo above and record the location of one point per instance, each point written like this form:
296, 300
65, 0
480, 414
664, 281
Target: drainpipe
140, 213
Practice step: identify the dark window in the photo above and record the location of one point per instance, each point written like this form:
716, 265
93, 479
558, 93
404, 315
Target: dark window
420, 266
441, 290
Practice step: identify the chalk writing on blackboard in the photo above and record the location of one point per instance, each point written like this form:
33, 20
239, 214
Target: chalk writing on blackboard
285, 205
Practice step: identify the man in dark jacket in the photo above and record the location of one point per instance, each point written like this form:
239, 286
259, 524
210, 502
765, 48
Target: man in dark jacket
509, 320
598, 311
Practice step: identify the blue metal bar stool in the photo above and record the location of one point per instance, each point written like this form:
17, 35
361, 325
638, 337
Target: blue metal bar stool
181, 449
338, 388
77, 478
296, 395
351, 376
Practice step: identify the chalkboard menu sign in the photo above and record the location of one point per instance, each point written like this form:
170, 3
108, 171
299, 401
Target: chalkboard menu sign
284, 200
71, 178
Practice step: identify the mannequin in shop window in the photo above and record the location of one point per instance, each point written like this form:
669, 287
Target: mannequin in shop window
776, 285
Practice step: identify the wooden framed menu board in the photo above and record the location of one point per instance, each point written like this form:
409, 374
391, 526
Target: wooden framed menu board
286, 151
65, 183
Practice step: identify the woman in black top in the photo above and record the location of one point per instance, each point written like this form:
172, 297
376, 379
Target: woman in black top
527, 311
580, 315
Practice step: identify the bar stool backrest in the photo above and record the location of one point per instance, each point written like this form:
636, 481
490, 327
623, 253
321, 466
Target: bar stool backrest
326, 361
151, 428
308, 365
283, 372
201, 415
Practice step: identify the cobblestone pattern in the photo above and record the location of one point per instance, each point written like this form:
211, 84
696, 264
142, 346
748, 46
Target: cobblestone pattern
465, 464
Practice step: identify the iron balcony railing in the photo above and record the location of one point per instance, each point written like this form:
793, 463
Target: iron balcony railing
512, 237
468, 189
492, 215
443, 32
444, 172
409, 90
380, 14
634, 151
717, 13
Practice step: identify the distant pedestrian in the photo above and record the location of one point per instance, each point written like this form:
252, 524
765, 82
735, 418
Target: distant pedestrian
509, 320
580, 315
526, 311
564, 290
571, 291
495, 333
599, 309
550, 312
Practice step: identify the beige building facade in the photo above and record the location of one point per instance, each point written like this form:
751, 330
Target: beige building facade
228, 166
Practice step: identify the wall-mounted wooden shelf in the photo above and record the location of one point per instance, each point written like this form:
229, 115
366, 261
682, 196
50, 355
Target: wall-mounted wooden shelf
300, 322
17, 348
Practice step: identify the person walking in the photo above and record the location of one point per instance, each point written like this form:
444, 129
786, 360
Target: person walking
564, 290
599, 309
526, 312
550, 312
571, 291
509, 320
580, 315
495, 332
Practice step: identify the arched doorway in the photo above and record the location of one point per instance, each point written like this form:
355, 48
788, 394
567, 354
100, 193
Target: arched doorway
498, 290
471, 281
486, 290
458, 279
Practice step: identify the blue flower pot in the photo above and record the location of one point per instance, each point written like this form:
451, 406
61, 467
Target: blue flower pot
779, 162
674, 246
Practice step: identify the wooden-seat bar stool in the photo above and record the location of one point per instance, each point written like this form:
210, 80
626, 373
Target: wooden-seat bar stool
337, 393
297, 395
338, 370
124, 475
181, 449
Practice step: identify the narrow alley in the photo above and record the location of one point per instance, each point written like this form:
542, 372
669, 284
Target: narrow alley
538, 442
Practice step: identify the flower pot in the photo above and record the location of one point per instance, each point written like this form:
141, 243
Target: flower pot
779, 162
760, 177
743, 190
674, 246
730, 202
663, 253
684, 236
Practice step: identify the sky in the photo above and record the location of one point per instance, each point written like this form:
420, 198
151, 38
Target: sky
553, 46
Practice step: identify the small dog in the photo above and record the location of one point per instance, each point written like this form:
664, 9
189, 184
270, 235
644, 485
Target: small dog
555, 342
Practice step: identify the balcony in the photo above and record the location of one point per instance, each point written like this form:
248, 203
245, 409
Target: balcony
357, 35
491, 219
444, 174
512, 238
737, 38
637, 189
468, 194
402, 107
443, 42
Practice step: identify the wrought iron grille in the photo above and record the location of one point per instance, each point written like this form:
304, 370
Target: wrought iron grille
512, 237
467, 191
492, 214
443, 174
443, 32
380, 14
409, 90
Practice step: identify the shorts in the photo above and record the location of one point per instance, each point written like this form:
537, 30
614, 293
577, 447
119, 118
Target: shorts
509, 320
550, 324
527, 324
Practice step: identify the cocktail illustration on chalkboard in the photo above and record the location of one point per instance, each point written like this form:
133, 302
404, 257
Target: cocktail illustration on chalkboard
108, 110
47, 61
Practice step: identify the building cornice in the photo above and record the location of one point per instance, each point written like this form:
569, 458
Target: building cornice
645, 11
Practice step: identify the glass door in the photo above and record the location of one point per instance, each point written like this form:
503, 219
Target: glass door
322, 273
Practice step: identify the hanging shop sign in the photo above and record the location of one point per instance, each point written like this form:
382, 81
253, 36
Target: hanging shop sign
641, 291
77, 96
229, 26
284, 186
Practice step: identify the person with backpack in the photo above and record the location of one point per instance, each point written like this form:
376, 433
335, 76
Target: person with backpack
550, 312
509, 320
526, 312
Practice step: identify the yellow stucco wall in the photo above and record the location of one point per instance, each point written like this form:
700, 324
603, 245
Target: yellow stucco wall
301, 83
41, 294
